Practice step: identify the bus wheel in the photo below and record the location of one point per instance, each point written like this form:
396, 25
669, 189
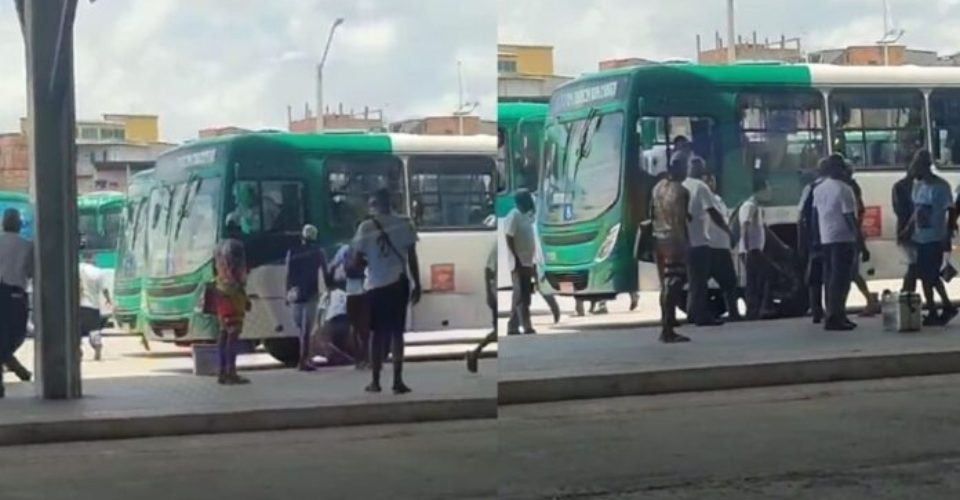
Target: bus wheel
285, 350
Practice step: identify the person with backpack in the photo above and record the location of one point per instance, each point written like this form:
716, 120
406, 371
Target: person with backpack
387, 243
808, 245
348, 272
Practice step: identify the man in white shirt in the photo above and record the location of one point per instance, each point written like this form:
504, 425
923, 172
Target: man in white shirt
722, 269
836, 207
703, 215
93, 284
522, 247
16, 270
753, 238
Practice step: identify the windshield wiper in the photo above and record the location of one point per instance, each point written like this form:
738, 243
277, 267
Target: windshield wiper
186, 205
586, 139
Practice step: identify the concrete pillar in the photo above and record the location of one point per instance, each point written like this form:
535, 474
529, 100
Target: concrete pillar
48, 32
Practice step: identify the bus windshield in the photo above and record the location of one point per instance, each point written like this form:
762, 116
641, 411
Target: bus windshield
582, 168
159, 219
100, 229
132, 246
351, 181
194, 221
451, 192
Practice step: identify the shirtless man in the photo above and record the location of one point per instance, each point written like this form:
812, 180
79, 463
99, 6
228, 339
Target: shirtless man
670, 220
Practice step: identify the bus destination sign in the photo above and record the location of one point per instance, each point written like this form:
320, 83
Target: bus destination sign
592, 93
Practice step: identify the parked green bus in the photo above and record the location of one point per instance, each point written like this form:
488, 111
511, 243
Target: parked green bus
277, 182
132, 251
609, 134
99, 216
21, 202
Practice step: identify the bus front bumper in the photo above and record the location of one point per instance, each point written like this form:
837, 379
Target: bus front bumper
597, 279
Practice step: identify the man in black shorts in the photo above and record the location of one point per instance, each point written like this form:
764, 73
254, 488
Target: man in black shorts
670, 219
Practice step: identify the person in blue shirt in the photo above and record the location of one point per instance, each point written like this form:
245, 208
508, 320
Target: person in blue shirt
932, 215
305, 264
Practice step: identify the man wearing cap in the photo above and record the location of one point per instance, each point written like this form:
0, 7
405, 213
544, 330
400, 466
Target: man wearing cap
305, 264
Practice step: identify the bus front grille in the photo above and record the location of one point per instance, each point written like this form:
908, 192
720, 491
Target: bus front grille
577, 278
568, 239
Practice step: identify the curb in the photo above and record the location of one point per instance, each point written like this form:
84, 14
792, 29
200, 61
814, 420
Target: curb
219, 422
811, 371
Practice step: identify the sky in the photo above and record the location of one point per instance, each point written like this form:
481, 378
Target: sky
209, 63
584, 32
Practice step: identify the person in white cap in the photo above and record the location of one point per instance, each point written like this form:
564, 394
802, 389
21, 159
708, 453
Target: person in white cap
305, 264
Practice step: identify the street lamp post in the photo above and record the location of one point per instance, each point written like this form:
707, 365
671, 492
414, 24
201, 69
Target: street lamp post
323, 59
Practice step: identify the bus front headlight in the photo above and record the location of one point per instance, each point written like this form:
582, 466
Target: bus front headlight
608, 244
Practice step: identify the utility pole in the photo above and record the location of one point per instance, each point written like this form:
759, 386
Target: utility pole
731, 34
323, 60
48, 35
886, 33
460, 95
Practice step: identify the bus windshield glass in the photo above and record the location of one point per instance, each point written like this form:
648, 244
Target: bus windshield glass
100, 229
527, 158
159, 219
582, 168
451, 192
194, 230
352, 180
132, 246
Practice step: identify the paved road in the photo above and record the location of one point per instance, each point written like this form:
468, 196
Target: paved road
426, 461
882, 439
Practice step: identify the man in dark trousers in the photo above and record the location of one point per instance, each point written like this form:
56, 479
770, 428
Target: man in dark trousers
16, 269
836, 207
522, 247
902, 197
704, 215
490, 279
670, 219
808, 244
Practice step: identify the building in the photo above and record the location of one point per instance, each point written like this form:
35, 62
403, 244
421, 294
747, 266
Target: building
445, 125
624, 63
221, 131
785, 49
14, 163
875, 55
526, 71
368, 119
107, 151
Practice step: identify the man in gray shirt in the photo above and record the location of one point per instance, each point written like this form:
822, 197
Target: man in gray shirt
16, 269
522, 247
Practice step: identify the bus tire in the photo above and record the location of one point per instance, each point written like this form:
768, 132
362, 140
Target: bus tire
285, 350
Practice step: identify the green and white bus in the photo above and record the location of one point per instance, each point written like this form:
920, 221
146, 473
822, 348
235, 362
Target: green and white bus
99, 216
609, 135
21, 202
132, 253
277, 182
519, 137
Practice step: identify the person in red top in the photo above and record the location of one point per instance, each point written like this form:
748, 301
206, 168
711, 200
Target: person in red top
232, 302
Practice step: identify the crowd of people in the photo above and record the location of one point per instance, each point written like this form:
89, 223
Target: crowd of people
378, 270
693, 239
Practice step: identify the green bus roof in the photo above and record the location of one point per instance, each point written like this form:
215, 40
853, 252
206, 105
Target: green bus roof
14, 196
347, 142
99, 200
674, 75
509, 113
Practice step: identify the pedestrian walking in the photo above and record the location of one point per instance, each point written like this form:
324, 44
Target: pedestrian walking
348, 274
540, 276
93, 286
722, 269
753, 239
836, 207
863, 253
387, 243
704, 215
670, 219
932, 217
16, 270
490, 280
902, 202
808, 244
232, 303
306, 264
522, 247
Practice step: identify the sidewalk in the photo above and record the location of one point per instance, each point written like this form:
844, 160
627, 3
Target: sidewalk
609, 361
149, 406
